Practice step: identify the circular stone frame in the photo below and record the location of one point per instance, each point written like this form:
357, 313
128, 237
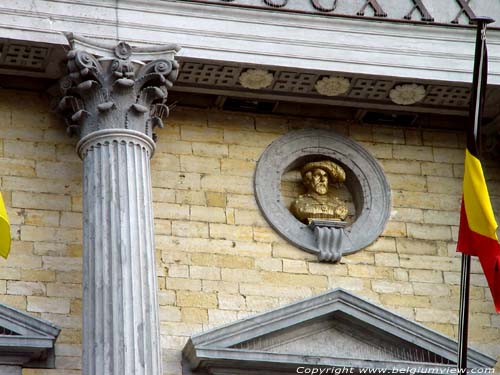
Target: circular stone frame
365, 180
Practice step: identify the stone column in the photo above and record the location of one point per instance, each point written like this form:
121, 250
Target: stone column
112, 99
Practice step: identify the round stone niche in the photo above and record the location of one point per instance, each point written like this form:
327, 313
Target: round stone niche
365, 190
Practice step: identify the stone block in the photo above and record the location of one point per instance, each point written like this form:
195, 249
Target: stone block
408, 215
327, 269
236, 167
349, 283
261, 303
407, 182
295, 266
210, 149
164, 195
193, 197
231, 232
426, 276
171, 211
215, 199
391, 287
405, 300
48, 304
439, 138
189, 229
430, 289
208, 214
220, 317
395, 229
406, 167
176, 180
200, 164
415, 246
35, 275
449, 155
194, 315
64, 290
202, 134
196, 299
436, 316
41, 201
229, 184
387, 259
406, 152
444, 185
248, 138
219, 286
260, 289
388, 135
231, 301
378, 150
68, 171
17, 167
29, 150
204, 273
427, 262
223, 261
245, 152
241, 275
269, 264
429, 231
165, 162
178, 270
437, 169
183, 284
249, 217
371, 272
26, 288
442, 217
282, 278
170, 314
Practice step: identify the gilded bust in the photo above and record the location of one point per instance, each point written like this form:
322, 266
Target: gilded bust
316, 204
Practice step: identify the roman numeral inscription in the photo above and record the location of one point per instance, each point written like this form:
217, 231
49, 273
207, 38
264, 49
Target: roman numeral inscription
276, 4
440, 8
379, 12
465, 8
417, 4
317, 5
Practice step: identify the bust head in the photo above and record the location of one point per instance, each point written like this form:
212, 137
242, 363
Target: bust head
317, 175
316, 181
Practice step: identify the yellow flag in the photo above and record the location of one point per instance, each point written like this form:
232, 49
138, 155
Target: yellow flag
4, 230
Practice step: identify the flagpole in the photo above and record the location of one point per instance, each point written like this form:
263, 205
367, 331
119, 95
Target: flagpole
475, 113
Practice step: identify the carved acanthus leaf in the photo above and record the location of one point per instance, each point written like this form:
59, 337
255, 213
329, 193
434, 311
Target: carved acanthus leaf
115, 91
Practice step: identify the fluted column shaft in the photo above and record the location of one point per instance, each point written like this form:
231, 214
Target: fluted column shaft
113, 98
120, 317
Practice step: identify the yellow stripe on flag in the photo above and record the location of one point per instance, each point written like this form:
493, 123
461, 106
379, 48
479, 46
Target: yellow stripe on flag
4, 230
477, 200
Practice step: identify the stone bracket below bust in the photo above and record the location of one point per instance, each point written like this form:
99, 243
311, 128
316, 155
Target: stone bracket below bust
365, 181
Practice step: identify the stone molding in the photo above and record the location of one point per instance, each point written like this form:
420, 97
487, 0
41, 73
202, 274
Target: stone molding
365, 180
26, 341
106, 136
263, 341
109, 87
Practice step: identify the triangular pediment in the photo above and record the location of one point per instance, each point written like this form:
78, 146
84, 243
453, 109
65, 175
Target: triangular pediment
26, 340
335, 329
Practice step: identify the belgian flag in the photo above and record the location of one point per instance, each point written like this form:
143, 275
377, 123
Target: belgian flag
4, 230
477, 235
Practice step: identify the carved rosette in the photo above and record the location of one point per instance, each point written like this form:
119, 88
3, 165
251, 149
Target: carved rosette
111, 89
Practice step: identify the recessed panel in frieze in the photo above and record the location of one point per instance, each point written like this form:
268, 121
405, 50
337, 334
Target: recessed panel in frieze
322, 192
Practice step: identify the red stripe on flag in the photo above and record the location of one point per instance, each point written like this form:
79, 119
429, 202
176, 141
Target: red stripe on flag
488, 251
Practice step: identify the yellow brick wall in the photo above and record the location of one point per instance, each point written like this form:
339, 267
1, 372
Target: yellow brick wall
217, 258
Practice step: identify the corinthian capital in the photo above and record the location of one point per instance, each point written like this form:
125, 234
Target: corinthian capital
116, 87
